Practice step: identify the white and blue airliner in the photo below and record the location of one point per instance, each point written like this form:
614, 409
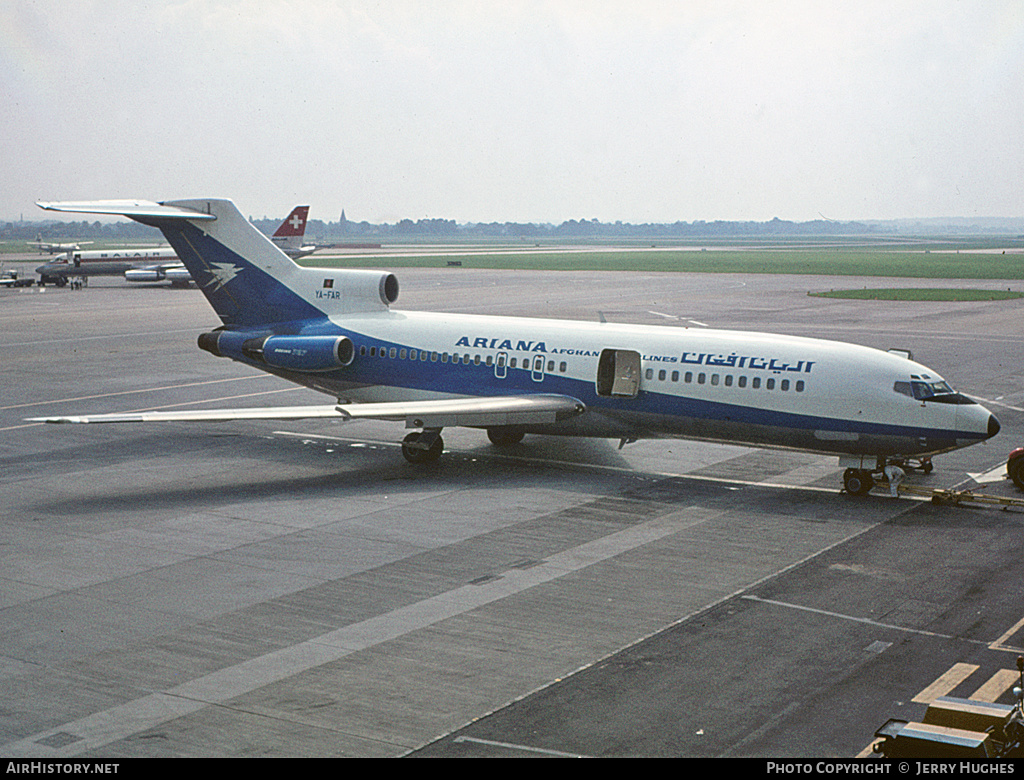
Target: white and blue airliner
335, 331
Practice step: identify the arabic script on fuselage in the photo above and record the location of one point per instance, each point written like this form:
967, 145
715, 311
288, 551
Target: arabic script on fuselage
709, 359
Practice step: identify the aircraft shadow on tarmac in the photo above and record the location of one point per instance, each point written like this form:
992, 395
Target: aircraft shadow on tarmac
190, 467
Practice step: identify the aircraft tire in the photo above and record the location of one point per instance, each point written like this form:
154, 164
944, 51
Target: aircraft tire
858, 482
504, 435
416, 454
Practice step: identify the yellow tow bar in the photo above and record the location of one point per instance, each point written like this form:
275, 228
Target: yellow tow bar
948, 496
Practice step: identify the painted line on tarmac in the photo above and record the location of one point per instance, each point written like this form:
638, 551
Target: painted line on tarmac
218, 688
520, 748
135, 392
865, 621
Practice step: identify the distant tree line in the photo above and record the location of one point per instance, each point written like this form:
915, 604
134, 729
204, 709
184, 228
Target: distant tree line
572, 228
48, 230
449, 228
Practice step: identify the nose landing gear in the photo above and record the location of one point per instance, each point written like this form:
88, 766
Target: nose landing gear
890, 472
858, 482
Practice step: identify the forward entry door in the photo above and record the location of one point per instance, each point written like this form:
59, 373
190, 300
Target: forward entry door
618, 373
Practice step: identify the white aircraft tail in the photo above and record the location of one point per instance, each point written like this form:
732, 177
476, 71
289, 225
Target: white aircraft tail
248, 281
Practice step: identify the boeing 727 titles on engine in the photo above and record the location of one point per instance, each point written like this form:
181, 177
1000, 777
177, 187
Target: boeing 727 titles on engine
335, 331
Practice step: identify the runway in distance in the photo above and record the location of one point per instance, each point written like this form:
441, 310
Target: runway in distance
335, 331
156, 264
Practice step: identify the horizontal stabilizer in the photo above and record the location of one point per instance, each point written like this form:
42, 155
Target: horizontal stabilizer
471, 412
127, 208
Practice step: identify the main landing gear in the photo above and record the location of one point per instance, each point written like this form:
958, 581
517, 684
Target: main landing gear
505, 435
427, 445
424, 447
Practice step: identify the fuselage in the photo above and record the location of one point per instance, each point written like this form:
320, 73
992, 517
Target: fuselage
104, 262
649, 381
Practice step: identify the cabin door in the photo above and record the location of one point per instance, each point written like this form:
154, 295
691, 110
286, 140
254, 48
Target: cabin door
618, 373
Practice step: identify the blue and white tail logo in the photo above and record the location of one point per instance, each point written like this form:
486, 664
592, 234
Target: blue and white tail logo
248, 281
222, 274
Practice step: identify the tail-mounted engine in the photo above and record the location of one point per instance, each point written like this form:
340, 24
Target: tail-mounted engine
293, 353
351, 290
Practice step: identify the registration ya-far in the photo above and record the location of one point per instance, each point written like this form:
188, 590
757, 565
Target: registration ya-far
335, 331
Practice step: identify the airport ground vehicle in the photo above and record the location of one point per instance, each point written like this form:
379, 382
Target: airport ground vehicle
10, 279
958, 728
1015, 467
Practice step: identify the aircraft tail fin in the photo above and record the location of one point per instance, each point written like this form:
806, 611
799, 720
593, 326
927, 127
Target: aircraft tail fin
248, 281
291, 232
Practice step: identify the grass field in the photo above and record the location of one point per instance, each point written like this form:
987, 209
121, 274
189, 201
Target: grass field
921, 294
925, 258
829, 262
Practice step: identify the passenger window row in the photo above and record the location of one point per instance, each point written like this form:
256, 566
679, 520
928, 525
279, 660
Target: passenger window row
727, 380
423, 355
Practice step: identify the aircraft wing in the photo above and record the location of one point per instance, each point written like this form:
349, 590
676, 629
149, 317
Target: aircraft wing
470, 412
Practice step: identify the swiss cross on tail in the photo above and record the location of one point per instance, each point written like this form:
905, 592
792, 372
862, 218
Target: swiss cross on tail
295, 224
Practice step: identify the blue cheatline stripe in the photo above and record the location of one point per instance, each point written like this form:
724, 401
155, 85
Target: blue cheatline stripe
479, 380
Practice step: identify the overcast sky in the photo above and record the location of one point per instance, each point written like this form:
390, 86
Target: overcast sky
514, 110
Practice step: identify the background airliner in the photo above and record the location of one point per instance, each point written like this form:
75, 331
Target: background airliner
49, 248
105, 262
157, 264
288, 237
335, 331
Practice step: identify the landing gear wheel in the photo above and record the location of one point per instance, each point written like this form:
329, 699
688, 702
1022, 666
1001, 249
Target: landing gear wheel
416, 452
504, 435
858, 482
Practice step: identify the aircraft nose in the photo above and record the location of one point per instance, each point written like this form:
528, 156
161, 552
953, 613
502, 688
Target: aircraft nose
993, 426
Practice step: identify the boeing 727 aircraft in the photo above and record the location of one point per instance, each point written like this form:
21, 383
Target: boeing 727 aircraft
335, 331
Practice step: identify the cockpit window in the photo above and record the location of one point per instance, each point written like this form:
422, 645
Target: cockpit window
939, 392
924, 390
903, 388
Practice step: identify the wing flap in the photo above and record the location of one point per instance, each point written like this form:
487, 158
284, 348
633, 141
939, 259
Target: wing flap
470, 412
